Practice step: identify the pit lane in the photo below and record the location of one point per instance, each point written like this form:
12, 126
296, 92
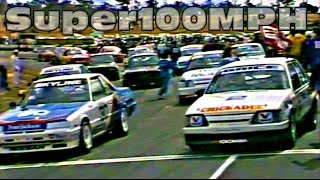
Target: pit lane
155, 149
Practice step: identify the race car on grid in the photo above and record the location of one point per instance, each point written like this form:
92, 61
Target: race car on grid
266, 100
200, 71
66, 112
249, 51
53, 71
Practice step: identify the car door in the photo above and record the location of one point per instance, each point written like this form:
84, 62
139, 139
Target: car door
307, 94
299, 90
101, 97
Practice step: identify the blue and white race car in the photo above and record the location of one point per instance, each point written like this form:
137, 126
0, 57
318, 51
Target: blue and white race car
66, 112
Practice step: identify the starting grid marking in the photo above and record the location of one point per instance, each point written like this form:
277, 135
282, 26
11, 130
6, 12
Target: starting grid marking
160, 158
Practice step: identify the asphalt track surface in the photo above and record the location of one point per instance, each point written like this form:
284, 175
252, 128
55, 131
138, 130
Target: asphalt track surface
155, 149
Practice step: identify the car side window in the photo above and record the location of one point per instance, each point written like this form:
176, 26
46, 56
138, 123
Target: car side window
97, 89
294, 77
108, 88
303, 76
84, 69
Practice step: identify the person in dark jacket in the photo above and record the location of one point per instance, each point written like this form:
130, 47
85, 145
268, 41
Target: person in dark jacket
313, 52
175, 52
3, 78
212, 46
167, 68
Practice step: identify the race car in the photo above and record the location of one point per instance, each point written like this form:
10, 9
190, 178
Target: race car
104, 63
200, 71
66, 112
117, 53
139, 50
249, 51
73, 55
142, 71
258, 101
186, 54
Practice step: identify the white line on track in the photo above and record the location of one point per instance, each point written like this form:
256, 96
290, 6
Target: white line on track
151, 158
224, 166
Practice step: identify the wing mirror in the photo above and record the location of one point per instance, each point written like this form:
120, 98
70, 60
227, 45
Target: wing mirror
13, 105
200, 93
22, 93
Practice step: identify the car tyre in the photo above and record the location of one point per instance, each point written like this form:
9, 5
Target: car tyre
122, 125
85, 138
311, 120
291, 134
182, 101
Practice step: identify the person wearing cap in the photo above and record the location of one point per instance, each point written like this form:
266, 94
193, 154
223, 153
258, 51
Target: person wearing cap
17, 67
313, 53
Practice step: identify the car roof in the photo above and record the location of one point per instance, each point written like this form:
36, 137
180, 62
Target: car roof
68, 77
192, 46
73, 66
105, 53
144, 54
208, 52
273, 60
246, 44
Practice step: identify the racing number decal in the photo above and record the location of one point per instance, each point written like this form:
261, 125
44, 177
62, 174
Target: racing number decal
34, 113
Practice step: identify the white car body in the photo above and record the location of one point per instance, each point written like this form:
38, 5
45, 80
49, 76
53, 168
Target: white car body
196, 80
254, 115
73, 69
183, 60
250, 57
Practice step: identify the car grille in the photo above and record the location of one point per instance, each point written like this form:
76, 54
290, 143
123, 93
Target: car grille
111, 73
229, 118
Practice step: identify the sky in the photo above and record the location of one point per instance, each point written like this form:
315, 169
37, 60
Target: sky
265, 2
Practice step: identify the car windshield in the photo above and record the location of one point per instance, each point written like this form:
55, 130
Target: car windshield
137, 51
190, 52
97, 59
205, 61
265, 79
250, 50
146, 60
63, 91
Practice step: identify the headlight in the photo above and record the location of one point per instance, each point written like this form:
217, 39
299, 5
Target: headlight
59, 125
189, 83
264, 117
196, 121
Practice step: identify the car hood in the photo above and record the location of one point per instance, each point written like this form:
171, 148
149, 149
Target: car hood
239, 102
183, 59
251, 57
49, 111
207, 73
113, 64
142, 69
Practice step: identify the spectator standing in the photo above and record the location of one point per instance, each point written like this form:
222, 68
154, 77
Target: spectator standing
166, 67
297, 39
175, 52
18, 68
313, 52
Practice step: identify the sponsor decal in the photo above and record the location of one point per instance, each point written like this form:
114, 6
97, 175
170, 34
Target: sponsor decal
59, 83
59, 70
233, 108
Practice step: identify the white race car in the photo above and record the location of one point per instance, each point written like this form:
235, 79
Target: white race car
267, 100
186, 54
65, 112
202, 68
250, 51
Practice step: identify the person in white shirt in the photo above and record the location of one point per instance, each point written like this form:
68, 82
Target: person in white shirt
18, 68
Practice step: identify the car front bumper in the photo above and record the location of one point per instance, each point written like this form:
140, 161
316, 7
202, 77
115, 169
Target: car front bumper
189, 92
225, 133
49, 140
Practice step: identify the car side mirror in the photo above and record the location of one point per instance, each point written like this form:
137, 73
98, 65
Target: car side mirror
13, 105
200, 93
22, 93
